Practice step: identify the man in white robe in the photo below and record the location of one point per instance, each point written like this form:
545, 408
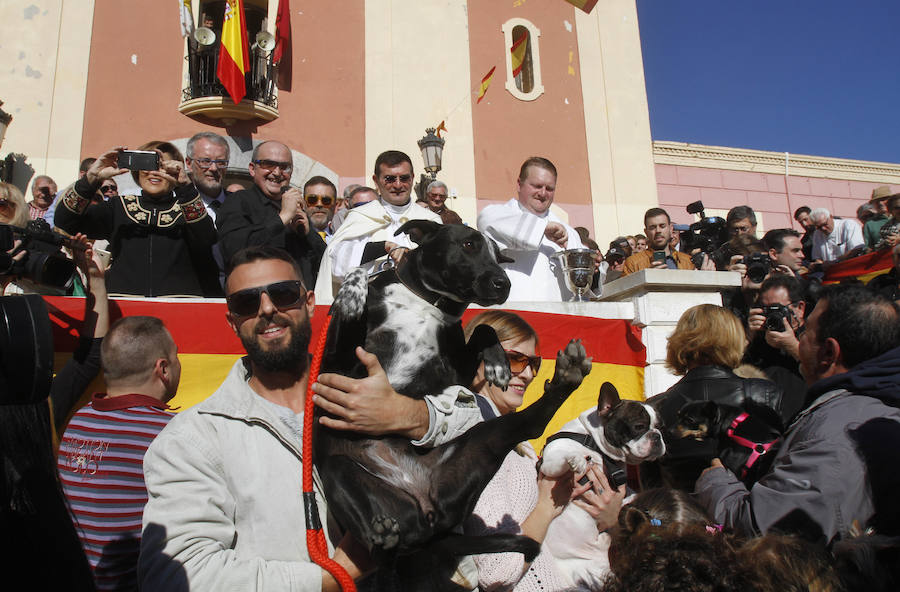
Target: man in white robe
528, 232
373, 225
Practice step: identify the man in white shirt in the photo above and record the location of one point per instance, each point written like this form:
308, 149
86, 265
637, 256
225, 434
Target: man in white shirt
369, 229
835, 239
528, 232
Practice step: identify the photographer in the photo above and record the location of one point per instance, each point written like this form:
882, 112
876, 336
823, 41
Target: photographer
161, 240
785, 248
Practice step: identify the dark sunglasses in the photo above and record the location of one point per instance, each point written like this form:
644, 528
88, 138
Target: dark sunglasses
6, 203
106, 188
314, 200
271, 165
518, 361
283, 295
391, 179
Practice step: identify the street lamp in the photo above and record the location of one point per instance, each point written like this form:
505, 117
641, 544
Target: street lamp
432, 148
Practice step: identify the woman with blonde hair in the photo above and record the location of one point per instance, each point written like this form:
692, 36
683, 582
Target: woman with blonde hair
13, 209
519, 500
705, 348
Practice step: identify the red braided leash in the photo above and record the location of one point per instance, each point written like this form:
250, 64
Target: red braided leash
315, 538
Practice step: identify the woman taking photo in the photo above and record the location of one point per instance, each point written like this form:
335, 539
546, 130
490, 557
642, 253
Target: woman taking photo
161, 240
519, 500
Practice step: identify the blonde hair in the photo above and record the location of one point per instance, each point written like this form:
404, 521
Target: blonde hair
508, 325
12, 194
706, 335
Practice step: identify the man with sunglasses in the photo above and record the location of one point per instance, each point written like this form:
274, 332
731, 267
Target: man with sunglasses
320, 196
271, 213
225, 510
367, 232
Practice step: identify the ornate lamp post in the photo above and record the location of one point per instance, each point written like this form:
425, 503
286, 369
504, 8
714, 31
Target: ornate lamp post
432, 148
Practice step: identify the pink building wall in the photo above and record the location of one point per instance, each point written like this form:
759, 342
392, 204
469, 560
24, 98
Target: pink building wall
774, 196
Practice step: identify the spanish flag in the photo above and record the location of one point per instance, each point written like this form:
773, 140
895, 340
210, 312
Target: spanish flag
518, 53
485, 83
862, 268
234, 60
208, 348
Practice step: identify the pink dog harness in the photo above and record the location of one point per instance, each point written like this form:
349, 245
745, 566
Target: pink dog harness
757, 450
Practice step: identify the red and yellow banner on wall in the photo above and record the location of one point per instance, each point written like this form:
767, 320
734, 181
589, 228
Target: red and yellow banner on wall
208, 348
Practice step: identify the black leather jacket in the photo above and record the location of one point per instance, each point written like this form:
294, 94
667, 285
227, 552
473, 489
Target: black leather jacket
686, 459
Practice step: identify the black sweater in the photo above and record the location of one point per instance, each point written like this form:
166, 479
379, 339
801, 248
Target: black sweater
161, 246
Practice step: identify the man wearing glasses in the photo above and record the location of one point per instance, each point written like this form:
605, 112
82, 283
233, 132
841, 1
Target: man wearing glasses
367, 232
271, 213
206, 158
320, 196
225, 509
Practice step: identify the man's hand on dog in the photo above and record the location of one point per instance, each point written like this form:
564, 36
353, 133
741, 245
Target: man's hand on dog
353, 557
369, 405
598, 498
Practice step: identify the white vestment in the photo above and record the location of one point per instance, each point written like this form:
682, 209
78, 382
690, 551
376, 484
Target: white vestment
520, 234
373, 222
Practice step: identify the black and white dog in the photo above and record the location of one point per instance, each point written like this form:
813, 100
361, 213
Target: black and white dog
394, 498
614, 434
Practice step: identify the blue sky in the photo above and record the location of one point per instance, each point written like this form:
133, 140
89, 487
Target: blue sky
810, 77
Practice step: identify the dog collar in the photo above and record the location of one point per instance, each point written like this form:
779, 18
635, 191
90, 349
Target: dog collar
439, 301
757, 449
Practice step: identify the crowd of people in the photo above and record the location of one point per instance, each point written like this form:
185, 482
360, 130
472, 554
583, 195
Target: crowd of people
209, 498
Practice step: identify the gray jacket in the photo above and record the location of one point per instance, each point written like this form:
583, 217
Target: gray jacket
817, 470
225, 509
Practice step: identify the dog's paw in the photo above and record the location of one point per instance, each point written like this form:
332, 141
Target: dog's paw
351, 297
496, 366
572, 365
385, 532
578, 463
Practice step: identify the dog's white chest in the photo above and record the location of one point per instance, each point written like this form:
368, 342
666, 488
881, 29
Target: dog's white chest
415, 323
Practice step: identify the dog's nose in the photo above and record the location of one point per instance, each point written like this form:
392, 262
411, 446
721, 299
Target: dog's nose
500, 283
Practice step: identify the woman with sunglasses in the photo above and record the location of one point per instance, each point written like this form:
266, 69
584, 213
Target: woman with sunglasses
161, 240
517, 500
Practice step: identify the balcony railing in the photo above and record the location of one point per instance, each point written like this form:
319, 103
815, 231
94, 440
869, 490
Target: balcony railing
260, 101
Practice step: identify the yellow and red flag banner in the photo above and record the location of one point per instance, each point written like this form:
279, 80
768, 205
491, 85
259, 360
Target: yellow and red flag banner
208, 348
485, 83
863, 268
440, 128
234, 59
518, 53
585, 5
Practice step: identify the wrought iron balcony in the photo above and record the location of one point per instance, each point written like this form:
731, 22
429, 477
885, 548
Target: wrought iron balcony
206, 96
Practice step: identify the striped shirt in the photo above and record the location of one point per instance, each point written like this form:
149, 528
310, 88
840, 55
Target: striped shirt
101, 468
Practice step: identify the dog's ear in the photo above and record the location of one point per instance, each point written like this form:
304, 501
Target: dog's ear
418, 229
609, 398
501, 258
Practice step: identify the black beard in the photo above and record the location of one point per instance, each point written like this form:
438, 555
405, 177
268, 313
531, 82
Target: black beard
292, 358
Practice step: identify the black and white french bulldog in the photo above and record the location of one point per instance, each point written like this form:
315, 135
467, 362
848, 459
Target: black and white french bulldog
614, 434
